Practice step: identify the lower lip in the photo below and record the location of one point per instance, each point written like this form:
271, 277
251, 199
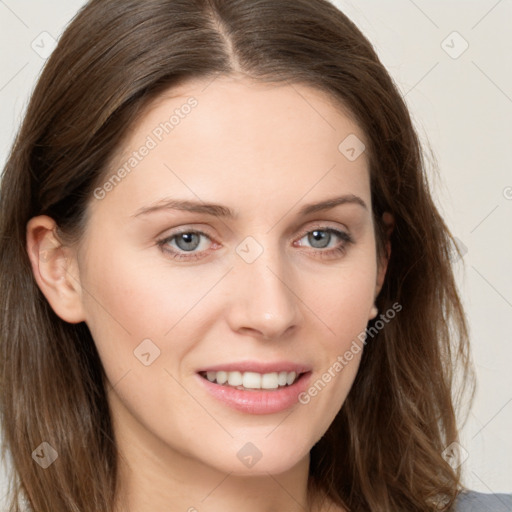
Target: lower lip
258, 401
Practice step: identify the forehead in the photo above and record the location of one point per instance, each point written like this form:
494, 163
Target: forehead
231, 139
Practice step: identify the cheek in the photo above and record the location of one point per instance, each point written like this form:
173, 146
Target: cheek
122, 307
342, 302
125, 287
342, 299
138, 297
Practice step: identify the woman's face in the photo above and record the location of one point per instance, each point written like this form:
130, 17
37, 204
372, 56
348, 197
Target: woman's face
237, 244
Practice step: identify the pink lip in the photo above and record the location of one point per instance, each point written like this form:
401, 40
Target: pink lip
257, 401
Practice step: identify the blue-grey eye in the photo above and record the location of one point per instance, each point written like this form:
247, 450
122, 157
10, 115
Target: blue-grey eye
187, 241
319, 239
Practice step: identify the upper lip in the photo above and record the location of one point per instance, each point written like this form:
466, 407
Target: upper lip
258, 367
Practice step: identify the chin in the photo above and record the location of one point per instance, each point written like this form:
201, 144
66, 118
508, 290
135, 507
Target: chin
260, 456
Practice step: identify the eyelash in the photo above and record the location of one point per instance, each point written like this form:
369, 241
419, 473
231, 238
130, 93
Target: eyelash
322, 253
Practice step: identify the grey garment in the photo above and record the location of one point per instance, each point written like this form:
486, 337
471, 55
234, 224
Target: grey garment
471, 501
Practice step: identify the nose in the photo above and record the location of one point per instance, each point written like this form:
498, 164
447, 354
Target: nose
263, 302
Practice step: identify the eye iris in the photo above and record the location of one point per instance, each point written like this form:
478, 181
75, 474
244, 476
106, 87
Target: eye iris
319, 239
187, 241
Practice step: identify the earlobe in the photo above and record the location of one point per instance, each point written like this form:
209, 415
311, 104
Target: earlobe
55, 269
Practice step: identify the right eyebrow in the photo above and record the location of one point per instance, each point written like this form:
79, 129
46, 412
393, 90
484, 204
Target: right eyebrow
215, 210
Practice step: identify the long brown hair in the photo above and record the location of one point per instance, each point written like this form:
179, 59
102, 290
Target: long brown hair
384, 450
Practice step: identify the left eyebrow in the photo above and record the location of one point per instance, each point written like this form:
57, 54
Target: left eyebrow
331, 203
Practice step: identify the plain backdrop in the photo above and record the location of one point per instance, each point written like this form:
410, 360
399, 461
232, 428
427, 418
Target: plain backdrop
452, 63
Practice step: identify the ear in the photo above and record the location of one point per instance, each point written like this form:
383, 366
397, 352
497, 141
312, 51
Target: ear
382, 264
55, 269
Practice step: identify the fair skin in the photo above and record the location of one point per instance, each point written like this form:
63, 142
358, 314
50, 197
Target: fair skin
264, 151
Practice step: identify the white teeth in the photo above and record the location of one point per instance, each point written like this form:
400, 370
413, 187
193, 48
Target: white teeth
269, 381
222, 377
253, 380
235, 378
290, 378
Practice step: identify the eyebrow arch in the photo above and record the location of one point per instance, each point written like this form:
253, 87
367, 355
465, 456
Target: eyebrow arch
218, 210
331, 203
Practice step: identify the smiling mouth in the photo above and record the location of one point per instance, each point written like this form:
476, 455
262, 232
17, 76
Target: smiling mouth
252, 381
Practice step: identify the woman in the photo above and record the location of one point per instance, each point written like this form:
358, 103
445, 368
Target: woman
226, 283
